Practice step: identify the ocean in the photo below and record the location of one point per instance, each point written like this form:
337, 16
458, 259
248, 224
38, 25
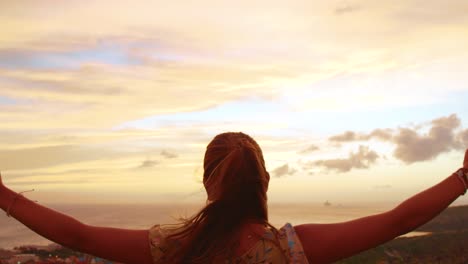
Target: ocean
138, 216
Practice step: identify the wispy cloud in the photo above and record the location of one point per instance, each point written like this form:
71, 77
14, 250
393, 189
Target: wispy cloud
349, 136
361, 159
148, 164
80, 69
283, 170
346, 7
40, 157
169, 155
309, 149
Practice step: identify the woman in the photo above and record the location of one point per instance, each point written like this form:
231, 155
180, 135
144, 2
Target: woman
233, 227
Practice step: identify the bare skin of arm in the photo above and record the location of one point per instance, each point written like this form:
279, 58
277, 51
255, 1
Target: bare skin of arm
121, 245
325, 243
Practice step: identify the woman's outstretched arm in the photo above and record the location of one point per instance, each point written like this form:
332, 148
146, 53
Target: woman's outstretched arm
325, 243
122, 245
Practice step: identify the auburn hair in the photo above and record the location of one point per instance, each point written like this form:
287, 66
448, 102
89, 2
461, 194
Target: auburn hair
236, 182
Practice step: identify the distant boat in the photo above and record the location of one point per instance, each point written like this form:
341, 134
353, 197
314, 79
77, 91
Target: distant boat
327, 203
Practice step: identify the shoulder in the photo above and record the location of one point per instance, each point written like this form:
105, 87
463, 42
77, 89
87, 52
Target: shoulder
157, 242
156, 233
159, 245
291, 244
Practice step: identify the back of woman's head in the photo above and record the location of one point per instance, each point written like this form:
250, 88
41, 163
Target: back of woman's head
236, 182
235, 173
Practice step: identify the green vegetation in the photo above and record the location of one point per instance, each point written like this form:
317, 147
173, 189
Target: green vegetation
448, 243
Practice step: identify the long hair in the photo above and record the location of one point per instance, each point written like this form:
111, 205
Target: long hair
236, 182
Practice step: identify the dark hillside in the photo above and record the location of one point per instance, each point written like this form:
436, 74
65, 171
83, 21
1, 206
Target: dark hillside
448, 243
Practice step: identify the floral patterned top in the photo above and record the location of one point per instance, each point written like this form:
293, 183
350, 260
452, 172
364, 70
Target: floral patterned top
287, 249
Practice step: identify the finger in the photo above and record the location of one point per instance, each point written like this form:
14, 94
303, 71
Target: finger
465, 161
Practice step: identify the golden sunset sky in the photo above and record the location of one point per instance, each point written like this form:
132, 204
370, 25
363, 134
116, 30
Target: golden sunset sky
115, 101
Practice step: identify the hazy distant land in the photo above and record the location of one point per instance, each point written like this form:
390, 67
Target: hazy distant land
447, 243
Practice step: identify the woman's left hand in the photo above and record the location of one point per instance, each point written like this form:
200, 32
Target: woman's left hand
465, 161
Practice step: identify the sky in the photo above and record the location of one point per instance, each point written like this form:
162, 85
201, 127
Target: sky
115, 101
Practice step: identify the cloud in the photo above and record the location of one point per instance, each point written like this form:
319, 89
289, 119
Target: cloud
346, 8
168, 155
83, 71
349, 136
362, 159
412, 147
309, 149
283, 171
44, 172
463, 138
382, 134
48, 182
148, 164
410, 144
89, 95
345, 137
48, 156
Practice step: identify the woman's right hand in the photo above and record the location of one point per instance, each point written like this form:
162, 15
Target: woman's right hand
2, 187
3, 194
